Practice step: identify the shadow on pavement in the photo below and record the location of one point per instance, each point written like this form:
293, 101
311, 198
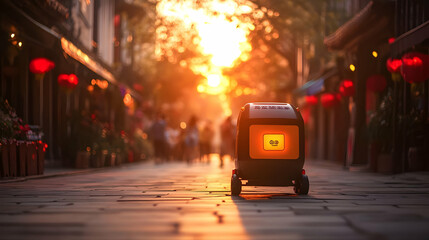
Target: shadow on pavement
270, 215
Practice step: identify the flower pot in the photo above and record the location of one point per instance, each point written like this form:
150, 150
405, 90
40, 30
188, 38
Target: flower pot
119, 159
41, 148
112, 159
415, 159
82, 159
385, 163
4, 167
105, 158
374, 152
97, 160
12, 158
22, 158
31, 159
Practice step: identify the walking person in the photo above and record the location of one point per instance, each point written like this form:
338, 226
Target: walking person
227, 134
206, 139
191, 140
157, 134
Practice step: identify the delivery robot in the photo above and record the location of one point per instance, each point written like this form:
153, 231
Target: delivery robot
270, 148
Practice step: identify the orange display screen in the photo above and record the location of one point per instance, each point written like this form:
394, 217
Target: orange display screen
274, 141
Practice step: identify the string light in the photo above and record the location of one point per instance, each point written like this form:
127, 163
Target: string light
375, 54
352, 67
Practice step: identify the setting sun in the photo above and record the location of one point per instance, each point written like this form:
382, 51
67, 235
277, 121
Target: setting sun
213, 80
217, 35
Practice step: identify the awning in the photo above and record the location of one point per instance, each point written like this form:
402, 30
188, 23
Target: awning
76, 53
409, 39
315, 86
374, 21
83, 58
93, 65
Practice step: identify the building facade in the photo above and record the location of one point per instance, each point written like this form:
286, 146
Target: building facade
78, 37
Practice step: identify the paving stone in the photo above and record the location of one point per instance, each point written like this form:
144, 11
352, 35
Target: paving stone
180, 201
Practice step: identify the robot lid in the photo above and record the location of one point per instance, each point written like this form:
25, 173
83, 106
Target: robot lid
271, 110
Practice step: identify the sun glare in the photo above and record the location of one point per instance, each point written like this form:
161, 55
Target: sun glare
213, 80
214, 31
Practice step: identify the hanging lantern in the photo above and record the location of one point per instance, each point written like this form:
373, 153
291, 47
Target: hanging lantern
63, 79
329, 100
376, 83
347, 88
41, 65
73, 80
311, 100
394, 65
68, 81
415, 67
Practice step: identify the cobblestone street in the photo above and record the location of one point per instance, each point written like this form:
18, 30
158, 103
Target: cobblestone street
180, 201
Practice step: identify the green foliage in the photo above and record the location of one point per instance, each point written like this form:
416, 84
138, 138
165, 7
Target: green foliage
11, 126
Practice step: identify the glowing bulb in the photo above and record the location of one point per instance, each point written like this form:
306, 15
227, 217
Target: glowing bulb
352, 67
200, 88
213, 80
144, 136
20, 44
183, 125
128, 100
12, 35
375, 54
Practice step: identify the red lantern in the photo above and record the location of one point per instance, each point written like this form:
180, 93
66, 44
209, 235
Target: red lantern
41, 65
376, 83
415, 67
311, 100
68, 81
394, 65
63, 79
73, 80
329, 100
347, 88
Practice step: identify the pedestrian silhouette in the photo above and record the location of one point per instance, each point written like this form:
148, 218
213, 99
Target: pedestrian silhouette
157, 134
191, 140
227, 134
